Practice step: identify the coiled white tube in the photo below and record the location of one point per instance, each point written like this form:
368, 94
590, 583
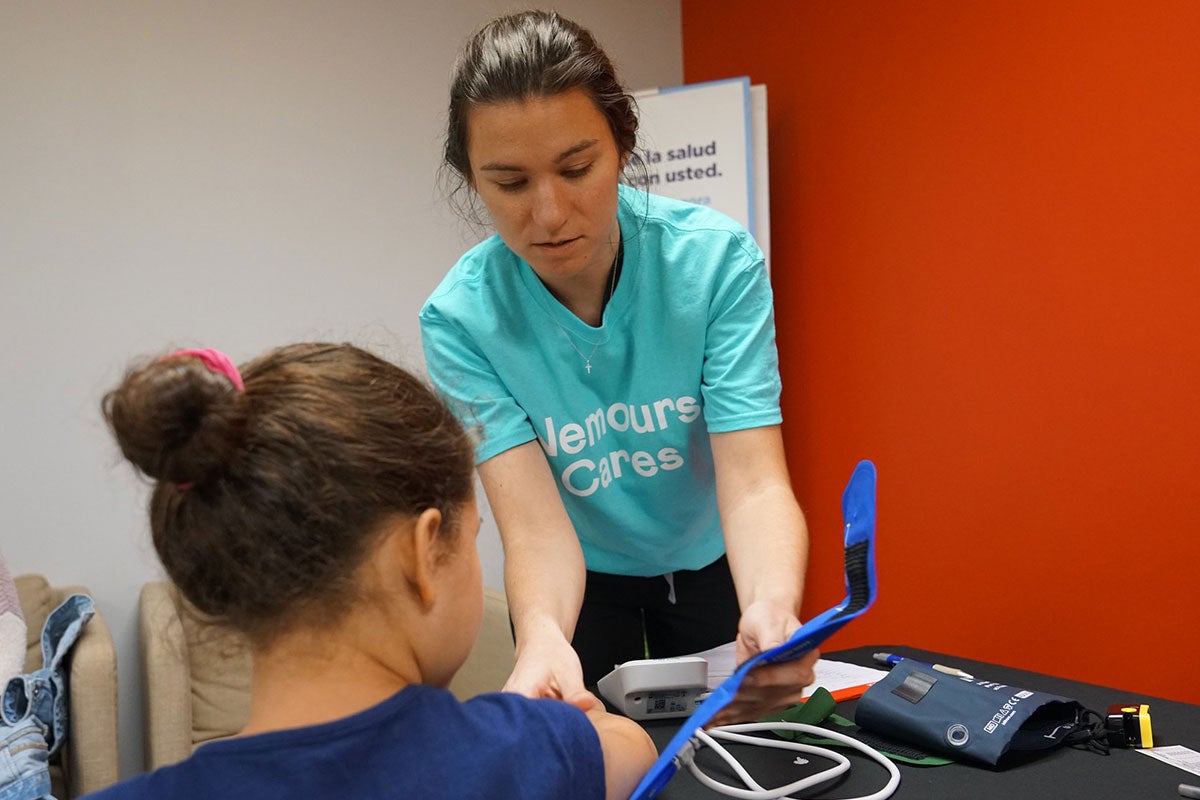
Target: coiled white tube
736, 733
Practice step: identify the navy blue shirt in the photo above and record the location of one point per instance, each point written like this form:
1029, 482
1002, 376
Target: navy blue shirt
420, 743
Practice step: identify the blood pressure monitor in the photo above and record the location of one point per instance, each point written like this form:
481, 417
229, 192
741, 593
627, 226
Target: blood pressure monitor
657, 688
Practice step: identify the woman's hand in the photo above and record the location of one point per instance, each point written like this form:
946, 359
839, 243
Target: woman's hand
549, 667
769, 688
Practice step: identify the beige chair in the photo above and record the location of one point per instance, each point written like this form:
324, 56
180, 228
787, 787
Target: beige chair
197, 677
88, 760
493, 657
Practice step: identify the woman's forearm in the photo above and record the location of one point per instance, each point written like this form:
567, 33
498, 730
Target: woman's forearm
766, 537
544, 572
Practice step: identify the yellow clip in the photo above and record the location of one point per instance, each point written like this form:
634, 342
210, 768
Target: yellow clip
1144, 721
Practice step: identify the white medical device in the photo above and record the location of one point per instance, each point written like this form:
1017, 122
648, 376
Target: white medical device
657, 688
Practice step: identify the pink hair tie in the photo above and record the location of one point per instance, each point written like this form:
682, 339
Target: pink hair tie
217, 362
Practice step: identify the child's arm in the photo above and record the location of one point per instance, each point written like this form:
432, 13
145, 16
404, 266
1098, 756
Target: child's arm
628, 751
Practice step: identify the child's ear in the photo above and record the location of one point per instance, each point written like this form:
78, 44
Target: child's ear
410, 554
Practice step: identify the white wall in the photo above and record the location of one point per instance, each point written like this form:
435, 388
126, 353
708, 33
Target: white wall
229, 174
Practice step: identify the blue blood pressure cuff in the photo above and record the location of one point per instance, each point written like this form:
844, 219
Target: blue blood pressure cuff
968, 719
858, 514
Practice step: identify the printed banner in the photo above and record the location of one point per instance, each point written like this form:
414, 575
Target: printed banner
706, 143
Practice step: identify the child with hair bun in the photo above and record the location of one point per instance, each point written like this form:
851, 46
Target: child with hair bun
321, 501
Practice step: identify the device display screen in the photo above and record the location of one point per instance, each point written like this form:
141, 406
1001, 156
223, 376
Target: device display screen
667, 701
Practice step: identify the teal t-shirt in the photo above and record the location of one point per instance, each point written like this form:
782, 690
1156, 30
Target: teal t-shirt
686, 348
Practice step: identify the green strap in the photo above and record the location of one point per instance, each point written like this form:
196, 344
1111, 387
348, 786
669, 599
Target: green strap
813, 711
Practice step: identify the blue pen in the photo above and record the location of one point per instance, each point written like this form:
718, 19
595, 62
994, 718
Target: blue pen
888, 659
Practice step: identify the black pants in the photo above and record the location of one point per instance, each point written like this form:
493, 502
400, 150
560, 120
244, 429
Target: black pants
625, 617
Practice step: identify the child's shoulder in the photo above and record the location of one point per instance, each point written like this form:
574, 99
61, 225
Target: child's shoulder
515, 721
515, 709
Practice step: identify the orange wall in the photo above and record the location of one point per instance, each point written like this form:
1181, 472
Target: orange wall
986, 255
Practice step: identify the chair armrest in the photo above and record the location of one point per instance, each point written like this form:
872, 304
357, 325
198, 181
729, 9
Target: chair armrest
166, 680
91, 757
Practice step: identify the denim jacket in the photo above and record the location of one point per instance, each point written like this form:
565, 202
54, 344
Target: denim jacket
33, 708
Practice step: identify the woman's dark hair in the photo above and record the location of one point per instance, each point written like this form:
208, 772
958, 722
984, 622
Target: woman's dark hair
533, 54
269, 499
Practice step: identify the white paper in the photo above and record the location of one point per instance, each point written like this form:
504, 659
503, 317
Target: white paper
835, 675
1177, 756
832, 675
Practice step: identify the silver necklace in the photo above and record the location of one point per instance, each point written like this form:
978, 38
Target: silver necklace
612, 285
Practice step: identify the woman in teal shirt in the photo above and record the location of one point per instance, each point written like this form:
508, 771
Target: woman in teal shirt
616, 350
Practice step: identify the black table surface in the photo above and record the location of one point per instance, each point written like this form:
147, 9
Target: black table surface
1062, 773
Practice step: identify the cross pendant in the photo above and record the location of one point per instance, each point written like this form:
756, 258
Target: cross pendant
588, 367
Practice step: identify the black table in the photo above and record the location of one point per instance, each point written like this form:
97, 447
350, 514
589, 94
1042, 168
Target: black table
1061, 773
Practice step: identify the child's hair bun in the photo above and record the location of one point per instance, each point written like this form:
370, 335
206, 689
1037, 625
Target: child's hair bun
176, 420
